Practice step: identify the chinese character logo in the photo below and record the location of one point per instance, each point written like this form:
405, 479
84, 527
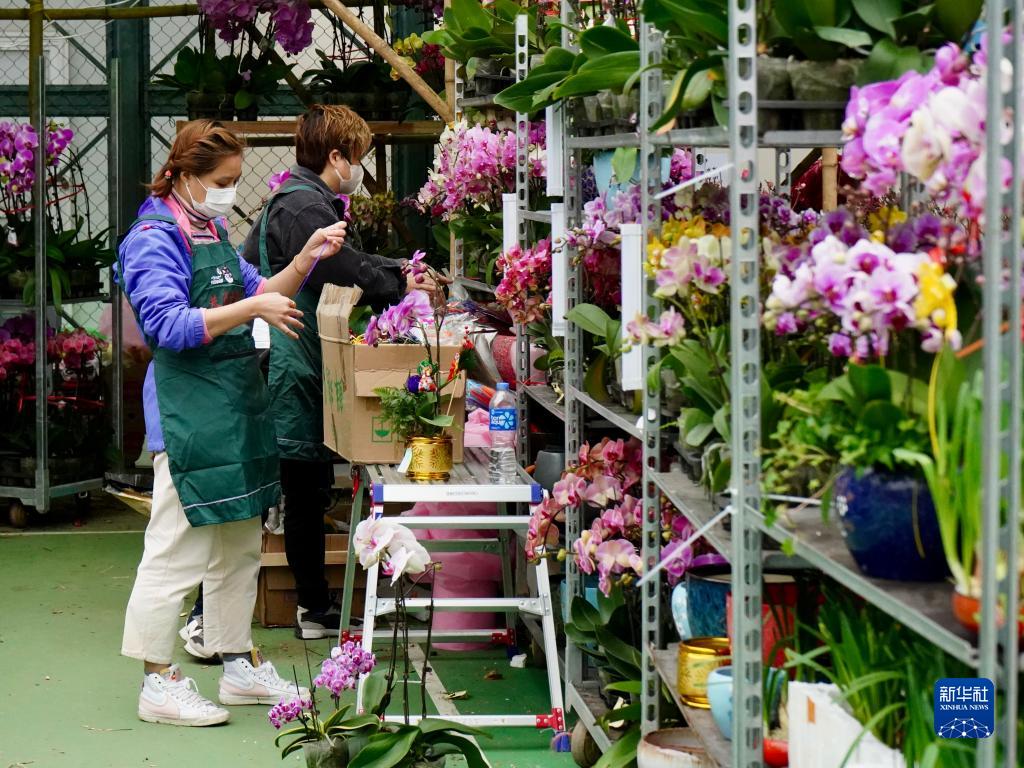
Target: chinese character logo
965, 708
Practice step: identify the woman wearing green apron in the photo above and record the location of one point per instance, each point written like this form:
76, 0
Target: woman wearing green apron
207, 422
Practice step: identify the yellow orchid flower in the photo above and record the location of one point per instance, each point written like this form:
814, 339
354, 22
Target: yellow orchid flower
886, 217
935, 296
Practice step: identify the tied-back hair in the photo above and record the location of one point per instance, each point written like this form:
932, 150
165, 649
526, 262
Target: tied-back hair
199, 147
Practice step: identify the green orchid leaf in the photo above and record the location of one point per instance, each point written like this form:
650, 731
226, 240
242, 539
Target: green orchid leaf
879, 14
601, 41
432, 725
474, 755
870, 382
622, 752
595, 381
590, 317
956, 17
851, 38
522, 96
887, 61
624, 163
584, 615
374, 690
610, 72
388, 749
470, 13
608, 604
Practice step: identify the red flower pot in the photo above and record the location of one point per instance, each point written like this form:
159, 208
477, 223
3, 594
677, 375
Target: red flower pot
967, 611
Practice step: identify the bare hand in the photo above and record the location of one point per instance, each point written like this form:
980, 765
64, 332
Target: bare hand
280, 312
433, 284
322, 244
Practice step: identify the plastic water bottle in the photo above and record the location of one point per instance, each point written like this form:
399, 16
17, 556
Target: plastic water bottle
503, 465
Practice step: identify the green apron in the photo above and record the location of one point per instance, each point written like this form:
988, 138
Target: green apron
214, 404
296, 367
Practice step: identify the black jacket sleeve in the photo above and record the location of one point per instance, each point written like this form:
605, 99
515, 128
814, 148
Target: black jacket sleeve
380, 278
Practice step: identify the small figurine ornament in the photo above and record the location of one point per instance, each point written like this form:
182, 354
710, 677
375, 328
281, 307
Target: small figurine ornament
426, 372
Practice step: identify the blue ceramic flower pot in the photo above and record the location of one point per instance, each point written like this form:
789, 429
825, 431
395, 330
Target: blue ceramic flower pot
720, 698
706, 593
888, 523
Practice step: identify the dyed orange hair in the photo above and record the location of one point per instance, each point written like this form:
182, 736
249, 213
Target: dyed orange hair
199, 147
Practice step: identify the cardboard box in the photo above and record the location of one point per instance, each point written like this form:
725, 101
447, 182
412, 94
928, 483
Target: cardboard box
276, 598
353, 425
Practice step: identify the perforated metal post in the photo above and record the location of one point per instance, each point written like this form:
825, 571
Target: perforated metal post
745, 346
573, 372
783, 162
650, 549
1001, 446
522, 204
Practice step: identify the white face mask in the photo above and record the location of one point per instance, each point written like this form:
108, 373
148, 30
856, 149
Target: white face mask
350, 185
219, 202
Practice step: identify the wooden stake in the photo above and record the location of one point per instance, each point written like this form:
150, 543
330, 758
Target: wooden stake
387, 53
829, 178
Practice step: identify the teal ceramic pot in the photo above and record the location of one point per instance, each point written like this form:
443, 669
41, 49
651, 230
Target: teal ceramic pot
720, 698
706, 593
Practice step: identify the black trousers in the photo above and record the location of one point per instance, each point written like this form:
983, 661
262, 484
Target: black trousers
306, 486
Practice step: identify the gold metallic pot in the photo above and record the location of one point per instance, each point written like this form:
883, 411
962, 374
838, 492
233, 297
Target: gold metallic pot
431, 458
697, 658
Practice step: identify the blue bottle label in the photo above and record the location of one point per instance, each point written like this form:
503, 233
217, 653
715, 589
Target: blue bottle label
503, 419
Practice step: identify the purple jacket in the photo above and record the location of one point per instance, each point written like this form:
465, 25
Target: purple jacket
155, 271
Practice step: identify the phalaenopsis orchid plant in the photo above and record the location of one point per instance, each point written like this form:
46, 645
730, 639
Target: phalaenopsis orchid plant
605, 481
415, 410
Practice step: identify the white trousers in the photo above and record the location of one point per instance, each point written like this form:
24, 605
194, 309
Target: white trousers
224, 557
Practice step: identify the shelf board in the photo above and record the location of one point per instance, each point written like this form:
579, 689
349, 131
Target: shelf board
718, 748
610, 141
716, 136
474, 285
545, 397
585, 700
616, 414
469, 482
692, 501
921, 606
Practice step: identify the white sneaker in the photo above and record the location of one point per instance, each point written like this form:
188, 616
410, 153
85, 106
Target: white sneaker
256, 683
173, 699
192, 634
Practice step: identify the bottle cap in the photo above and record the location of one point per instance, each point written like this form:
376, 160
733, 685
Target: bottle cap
503, 386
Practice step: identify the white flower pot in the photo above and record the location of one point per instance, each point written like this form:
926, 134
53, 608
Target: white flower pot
816, 717
672, 748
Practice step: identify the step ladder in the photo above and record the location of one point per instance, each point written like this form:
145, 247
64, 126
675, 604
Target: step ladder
468, 484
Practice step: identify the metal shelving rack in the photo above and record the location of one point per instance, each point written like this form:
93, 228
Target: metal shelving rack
42, 489
923, 608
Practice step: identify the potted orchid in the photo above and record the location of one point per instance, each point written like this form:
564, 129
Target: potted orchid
366, 739
331, 741
416, 411
426, 744
74, 255
474, 166
524, 291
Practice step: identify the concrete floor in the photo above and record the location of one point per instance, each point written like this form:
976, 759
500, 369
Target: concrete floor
67, 698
